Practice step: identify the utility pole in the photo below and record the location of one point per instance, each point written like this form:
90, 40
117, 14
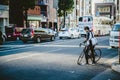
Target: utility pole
55, 5
119, 48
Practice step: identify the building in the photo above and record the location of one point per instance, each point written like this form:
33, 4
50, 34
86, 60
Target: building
4, 17
87, 7
117, 3
34, 17
105, 9
48, 14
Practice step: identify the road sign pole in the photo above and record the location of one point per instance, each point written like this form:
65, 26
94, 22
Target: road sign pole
119, 48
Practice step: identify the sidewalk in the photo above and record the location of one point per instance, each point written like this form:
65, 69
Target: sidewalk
116, 67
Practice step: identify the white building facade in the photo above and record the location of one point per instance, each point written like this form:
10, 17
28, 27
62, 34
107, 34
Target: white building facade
4, 17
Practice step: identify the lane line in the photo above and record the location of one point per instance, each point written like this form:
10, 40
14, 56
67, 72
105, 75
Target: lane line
17, 49
22, 57
64, 46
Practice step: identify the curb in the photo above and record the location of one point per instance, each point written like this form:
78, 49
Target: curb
116, 67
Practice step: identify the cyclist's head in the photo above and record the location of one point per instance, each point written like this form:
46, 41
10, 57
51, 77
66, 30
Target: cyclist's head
86, 28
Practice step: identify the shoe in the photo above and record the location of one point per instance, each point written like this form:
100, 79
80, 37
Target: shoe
84, 64
87, 64
93, 62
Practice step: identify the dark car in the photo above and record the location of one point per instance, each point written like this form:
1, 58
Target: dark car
36, 35
2, 38
13, 33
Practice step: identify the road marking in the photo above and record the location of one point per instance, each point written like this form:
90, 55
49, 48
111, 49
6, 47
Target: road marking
19, 48
38, 45
71, 46
17, 58
108, 61
100, 75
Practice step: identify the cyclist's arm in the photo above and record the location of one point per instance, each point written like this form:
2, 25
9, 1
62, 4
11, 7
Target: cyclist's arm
87, 38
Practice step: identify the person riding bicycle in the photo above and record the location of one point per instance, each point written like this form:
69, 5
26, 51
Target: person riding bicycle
89, 46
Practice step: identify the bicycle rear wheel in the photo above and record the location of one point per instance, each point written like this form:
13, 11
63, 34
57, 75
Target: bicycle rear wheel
97, 53
80, 58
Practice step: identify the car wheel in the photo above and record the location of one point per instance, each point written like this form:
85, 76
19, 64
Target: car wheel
52, 38
1, 41
79, 36
38, 40
60, 37
112, 47
72, 36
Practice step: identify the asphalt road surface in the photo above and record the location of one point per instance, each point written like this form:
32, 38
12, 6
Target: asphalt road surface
55, 60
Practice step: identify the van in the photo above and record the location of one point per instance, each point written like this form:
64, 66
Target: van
115, 36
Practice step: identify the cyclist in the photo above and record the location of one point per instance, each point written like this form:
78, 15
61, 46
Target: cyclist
89, 45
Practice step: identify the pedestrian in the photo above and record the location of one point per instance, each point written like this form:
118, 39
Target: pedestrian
89, 46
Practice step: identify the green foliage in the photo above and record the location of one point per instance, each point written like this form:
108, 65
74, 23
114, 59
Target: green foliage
26, 4
4, 2
18, 10
65, 6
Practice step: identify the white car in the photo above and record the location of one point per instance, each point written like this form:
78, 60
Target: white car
50, 31
75, 32
69, 33
114, 36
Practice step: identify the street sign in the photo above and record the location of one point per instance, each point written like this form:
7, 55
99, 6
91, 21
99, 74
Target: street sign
97, 13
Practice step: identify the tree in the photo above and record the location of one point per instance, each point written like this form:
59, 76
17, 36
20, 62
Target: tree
65, 6
4, 2
26, 4
18, 11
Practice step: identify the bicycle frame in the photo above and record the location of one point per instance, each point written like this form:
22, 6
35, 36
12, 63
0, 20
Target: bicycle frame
97, 55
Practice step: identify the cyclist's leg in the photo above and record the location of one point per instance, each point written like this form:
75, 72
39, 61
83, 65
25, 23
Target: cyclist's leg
86, 54
92, 52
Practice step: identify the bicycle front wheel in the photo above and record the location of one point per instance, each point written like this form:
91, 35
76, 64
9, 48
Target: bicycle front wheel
97, 53
80, 58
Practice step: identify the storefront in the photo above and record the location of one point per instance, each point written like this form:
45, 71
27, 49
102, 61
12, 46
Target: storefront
34, 21
4, 17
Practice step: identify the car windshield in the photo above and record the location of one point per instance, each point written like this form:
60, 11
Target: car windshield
116, 28
9, 30
26, 31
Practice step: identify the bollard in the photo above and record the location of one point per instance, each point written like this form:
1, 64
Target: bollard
119, 54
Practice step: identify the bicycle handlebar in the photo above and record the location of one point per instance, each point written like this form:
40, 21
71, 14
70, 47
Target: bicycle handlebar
84, 44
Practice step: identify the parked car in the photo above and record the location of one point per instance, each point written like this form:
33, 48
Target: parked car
115, 36
75, 32
52, 32
36, 35
13, 33
2, 38
69, 33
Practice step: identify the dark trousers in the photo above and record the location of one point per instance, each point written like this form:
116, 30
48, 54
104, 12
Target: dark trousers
89, 47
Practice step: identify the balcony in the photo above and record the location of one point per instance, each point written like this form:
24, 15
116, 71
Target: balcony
44, 13
42, 2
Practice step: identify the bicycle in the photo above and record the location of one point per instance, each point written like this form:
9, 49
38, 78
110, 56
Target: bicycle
97, 53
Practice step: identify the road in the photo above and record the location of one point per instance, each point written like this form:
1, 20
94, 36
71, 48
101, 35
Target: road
55, 61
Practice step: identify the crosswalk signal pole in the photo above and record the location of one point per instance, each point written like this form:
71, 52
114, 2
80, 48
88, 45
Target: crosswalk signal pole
119, 54
119, 48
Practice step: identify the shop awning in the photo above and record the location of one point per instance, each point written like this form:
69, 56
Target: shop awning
39, 18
